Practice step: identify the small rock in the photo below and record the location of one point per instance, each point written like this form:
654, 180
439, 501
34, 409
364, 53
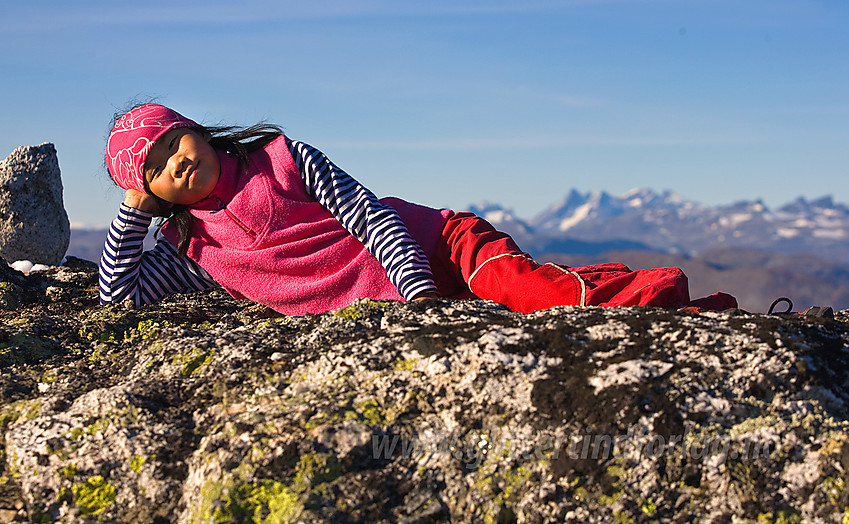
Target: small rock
33, 222
54, 293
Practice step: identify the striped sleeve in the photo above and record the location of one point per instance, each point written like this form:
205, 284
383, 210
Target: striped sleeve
376, 225
128, 272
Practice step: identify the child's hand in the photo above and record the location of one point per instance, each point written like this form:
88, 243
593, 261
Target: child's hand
149, 203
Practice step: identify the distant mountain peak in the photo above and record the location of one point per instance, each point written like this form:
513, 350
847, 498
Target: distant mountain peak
668, 222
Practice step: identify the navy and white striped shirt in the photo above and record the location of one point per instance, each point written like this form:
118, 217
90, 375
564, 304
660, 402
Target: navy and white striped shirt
129, 272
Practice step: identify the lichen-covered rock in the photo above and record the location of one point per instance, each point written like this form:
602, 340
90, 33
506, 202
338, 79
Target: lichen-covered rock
206, 409
33, 223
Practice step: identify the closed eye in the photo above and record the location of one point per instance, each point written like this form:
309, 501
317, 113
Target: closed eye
153, 173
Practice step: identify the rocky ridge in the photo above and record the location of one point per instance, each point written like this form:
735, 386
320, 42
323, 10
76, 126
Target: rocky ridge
203, 408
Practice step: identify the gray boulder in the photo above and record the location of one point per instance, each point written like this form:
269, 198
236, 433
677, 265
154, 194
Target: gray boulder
33, 223
207, 409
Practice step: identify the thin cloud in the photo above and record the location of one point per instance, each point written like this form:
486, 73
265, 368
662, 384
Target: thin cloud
521, 143
41, 17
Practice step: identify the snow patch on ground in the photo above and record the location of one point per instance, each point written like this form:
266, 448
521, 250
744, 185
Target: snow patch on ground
25, 266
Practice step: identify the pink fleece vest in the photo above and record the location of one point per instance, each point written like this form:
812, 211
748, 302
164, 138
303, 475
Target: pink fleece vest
262, 237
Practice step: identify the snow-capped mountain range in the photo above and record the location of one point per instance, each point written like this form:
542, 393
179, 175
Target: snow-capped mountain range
665, 222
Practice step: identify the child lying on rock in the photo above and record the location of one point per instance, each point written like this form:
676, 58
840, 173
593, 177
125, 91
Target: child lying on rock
272, 220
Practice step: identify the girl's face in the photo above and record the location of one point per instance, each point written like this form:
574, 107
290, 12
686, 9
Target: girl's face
181, 167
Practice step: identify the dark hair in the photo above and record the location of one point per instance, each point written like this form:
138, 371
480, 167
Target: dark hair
238, 141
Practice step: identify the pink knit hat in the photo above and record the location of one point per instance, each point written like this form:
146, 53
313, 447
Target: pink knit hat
133, 136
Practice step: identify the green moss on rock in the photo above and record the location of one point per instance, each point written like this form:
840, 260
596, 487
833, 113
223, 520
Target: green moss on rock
94, 495
406, 364
25, 348
498, 489
137, 463
321, 419
192, 361
371, 412
144, 330
781, 516
69, 471
265, 501
360, 309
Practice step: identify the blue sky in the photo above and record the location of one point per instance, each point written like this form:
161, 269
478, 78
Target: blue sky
450, 103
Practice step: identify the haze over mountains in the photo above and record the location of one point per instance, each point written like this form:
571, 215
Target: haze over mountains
799, 250
666, 223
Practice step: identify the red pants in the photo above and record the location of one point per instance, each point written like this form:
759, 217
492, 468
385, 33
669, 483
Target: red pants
476, 260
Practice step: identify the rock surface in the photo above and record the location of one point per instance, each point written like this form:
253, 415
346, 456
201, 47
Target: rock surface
207, 409
33, 223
